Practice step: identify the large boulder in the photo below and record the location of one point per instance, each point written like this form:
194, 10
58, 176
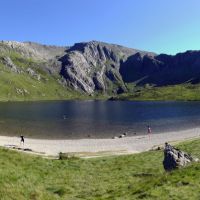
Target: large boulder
175, 158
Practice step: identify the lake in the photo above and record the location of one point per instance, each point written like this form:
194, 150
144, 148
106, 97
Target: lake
95, 119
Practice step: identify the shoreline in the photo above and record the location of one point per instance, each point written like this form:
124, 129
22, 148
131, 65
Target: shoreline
118, 146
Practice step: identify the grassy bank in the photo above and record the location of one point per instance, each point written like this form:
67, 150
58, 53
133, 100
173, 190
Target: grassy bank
139, 176
183, 92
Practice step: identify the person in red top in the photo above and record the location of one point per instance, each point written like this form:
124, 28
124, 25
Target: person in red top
149, 131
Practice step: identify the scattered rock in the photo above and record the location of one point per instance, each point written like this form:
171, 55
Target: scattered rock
9, 63
66, 156
175, 158
19, 91
33, 74
26, 91
27, 149
22, 91
123, 135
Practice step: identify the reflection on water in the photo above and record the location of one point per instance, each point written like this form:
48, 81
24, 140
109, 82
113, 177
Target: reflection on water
78, 119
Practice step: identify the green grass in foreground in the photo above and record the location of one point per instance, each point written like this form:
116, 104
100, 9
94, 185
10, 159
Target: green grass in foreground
139, 176
187, 92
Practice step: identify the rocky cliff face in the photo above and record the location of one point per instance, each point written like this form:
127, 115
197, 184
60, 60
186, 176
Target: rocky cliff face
94, 66
162, 70
97, 67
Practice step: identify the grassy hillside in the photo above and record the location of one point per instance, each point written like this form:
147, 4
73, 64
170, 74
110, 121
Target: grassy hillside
24, 86
139, 176
187, 92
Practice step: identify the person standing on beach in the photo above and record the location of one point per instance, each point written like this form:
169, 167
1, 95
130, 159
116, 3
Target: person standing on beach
22, 140
149, 131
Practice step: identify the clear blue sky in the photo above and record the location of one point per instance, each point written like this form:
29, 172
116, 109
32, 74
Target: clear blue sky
169, 26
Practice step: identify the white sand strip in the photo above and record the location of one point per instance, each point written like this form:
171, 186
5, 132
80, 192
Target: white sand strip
128, 144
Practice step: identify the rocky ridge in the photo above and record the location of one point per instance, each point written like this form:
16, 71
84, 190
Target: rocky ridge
97, 67
94, 66
33, 50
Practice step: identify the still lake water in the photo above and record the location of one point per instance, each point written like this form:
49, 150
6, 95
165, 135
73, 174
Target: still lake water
99, 119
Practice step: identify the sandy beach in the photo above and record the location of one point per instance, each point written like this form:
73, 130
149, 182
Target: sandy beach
125, 145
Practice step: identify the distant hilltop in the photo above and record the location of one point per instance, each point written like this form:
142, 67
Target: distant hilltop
97, 67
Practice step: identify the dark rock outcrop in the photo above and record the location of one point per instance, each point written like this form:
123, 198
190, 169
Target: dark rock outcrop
162, 70
140, 68
175, 158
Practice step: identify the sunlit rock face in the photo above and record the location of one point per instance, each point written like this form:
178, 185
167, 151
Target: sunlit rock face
95, 66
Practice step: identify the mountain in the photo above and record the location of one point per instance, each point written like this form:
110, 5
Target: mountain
31, 71
162, 70
95, 66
